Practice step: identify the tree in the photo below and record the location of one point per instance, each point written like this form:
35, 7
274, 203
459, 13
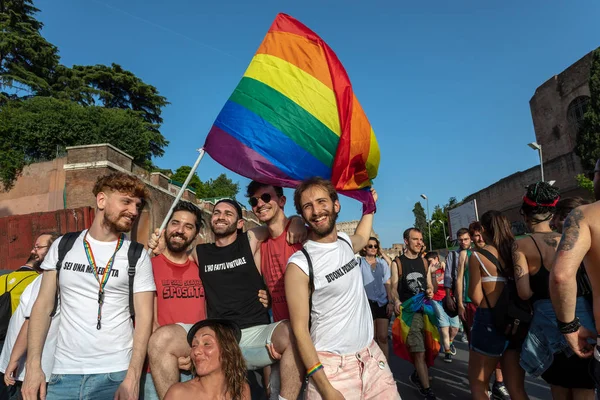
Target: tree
585, 183
588, 138
420, 218
36, 129
113, 87
26, 58
195, 184
220, 187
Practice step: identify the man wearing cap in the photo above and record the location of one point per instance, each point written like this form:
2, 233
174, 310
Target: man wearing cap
230, 273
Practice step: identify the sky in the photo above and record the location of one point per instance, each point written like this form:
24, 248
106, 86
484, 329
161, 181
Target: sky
445, 84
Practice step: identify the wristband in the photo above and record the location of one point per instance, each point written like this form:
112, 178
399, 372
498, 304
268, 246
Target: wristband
568, 327
314, 369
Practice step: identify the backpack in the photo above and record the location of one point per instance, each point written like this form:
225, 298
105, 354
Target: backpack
511, 315
133, 255
6, 307
311, 278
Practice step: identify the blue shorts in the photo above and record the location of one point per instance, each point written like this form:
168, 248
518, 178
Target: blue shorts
485, 339
443, 319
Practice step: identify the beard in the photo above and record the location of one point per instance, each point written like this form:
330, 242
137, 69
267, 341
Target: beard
34, 261
178, 247
221, 232
116, 223
323, 231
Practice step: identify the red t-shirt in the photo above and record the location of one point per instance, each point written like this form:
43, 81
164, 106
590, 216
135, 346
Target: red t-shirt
438, 277
274, 255
179, 292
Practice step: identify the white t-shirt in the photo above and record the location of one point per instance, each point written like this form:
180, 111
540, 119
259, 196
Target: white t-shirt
341, 317
81, 348
23, 312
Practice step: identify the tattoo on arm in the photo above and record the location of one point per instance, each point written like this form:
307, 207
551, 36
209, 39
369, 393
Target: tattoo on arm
551, 241
570, 231
519, 273
514, 249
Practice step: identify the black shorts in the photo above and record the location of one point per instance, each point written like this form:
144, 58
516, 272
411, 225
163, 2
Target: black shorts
571, 372
377, 311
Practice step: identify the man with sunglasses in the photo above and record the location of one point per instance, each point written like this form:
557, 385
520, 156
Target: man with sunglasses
230, 271
267, 202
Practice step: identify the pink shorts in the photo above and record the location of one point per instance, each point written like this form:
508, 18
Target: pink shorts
361, 376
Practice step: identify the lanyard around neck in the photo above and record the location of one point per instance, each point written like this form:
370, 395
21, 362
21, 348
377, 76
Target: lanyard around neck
102, 280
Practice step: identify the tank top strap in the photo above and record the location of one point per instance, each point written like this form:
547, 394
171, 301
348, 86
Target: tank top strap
538, 248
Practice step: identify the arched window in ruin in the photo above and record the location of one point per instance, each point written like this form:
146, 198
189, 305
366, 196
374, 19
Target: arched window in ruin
576, 111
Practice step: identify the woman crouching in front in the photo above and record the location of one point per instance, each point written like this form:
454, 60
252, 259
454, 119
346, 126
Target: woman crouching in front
218, 366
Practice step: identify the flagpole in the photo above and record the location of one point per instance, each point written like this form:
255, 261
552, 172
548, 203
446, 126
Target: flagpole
183, 187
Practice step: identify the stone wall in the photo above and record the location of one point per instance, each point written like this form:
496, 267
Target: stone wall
68, 182
506, 195
549, 107
557, 136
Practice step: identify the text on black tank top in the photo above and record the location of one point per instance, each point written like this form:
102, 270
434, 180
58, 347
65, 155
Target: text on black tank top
231, 283
413, 279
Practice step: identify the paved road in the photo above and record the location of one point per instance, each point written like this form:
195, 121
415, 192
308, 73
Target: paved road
450, 381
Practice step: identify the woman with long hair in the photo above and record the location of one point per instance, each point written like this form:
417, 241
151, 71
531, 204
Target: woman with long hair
543, 352
375, 268
218, 366
490, 269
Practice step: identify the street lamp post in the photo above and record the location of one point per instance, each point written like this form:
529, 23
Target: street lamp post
429, 222
538, 147
444, 228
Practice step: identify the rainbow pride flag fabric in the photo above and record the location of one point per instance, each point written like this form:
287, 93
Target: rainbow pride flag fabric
402, 324
294, 115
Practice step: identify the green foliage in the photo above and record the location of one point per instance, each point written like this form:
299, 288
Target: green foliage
45, 105
588, 137
26, 58
36, 129
437, 228
420, 219
585, 183
220, 187
195, 184
113, 87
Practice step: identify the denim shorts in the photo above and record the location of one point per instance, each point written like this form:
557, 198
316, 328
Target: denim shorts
485, 339
90, 387
443, 319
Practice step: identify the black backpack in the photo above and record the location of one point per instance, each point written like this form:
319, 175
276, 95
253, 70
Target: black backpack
133, 255
6, 306
311, 277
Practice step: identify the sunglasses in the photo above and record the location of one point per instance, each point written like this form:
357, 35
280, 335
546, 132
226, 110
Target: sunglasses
265, 197
373, 246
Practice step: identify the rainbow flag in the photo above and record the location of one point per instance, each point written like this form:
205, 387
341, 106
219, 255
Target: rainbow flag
294, 116
402, 325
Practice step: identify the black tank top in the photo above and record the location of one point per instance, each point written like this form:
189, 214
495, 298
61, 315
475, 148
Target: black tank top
231, 283
413, 279
540, 282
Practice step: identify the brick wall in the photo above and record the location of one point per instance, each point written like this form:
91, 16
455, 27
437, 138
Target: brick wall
39, 188
549, 107
506, 195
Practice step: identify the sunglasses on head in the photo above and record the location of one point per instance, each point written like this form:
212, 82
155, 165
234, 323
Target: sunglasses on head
373, 246
265, 197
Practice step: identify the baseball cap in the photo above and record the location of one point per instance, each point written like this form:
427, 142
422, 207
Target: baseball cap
212, 322
234, 203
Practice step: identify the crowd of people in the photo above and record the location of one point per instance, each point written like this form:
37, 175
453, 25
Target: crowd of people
93, 315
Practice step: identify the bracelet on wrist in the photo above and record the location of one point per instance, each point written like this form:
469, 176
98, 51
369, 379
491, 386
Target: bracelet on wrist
311, 371
568, 327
